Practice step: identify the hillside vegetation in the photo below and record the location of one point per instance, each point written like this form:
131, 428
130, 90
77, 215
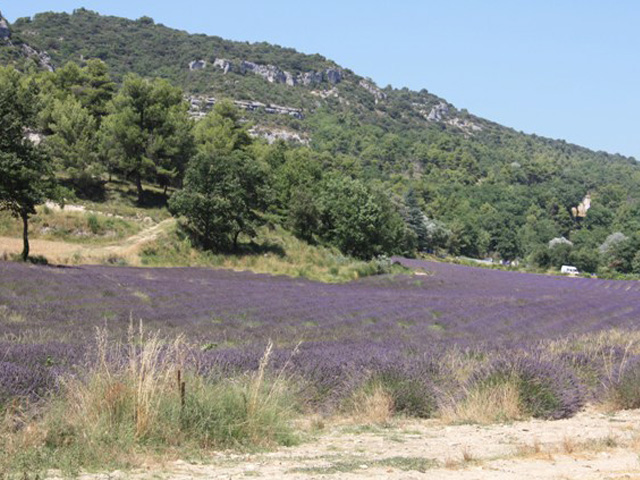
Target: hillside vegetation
367, 170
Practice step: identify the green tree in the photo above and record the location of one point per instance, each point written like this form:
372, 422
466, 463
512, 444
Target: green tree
417, 221
26, 175
72, 144
221, 131
148, 131
220, 198
359, 221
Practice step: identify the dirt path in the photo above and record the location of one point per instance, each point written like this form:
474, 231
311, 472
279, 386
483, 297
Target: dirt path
66, 252
591, 445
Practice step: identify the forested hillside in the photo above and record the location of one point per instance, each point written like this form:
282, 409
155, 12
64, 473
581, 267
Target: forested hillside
367, 169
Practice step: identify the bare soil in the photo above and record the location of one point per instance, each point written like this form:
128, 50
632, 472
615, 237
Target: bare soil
65, 252
591, 445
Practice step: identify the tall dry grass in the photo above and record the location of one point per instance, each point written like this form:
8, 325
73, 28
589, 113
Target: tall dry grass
371, 406
492, 403
140, 399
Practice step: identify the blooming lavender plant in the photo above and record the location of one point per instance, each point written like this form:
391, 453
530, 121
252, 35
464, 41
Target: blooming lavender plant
397, 330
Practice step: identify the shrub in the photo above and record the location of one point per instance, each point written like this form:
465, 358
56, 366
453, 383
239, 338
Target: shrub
411, 395
624, 391
93, 223
138, 396
495, 401
544, 390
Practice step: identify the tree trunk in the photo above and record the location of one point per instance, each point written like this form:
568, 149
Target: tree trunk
139, 188
235, 240
25, 235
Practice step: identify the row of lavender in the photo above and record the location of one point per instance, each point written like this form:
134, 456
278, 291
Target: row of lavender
411, 332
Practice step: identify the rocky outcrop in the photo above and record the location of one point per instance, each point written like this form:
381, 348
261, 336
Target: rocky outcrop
466, 126
332, 92
310, 78
42, 58
272, 135
5, 32
271, 73
200, 105
269, 108
581, 210
334, 75
224, 64
438, 112
554, 242
34, 137
373, 90
274, 74
197, 65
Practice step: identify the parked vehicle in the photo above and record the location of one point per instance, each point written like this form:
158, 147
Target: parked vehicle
569, 270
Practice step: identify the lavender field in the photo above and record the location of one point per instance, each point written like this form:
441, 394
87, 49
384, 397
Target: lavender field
429, 337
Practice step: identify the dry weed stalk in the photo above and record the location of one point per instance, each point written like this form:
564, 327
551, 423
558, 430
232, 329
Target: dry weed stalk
258, 381
467, 456
151, 369
568, 445
135, 388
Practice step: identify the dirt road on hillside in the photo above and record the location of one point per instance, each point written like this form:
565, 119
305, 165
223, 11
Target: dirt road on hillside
66, 252
591, 445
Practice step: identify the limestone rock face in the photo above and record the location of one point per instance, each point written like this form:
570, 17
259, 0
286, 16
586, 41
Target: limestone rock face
272, 135
581, 210
373, 90
272, 73
5, 33
222, 63
42, 58
311, 78
334, 75
438, 112
201, 105
197, 65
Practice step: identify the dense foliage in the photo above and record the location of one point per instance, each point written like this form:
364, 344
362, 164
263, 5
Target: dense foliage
422, 181
25, 174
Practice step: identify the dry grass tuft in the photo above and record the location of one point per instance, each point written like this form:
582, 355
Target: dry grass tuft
467, 456
136, 389
568, 445
372, 406
138, 402
489, 404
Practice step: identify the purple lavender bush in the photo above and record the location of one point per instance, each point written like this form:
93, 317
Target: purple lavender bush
393, 330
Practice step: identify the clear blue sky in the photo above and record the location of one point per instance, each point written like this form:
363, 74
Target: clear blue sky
562, 69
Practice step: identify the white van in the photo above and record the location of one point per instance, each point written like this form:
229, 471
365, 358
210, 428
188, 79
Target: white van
569, 270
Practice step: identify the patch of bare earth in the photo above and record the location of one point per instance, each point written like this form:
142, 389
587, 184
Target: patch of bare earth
65, 252
591, 445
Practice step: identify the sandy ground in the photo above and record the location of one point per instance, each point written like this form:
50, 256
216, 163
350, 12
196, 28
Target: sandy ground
64, 252
592, 445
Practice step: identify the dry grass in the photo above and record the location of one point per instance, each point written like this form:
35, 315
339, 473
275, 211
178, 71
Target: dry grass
489, 404
117, 391
373, 406
568, 446
137, 403
467, 456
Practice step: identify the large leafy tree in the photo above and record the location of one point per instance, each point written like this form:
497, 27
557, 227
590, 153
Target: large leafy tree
148, 131
26, 175
90, 85
220, 198
359, 221
72, 144
225, 186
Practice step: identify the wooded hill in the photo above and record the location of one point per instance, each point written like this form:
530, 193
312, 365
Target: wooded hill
461, 183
